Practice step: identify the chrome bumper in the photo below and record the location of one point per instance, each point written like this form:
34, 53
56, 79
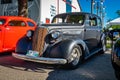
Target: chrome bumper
40, 59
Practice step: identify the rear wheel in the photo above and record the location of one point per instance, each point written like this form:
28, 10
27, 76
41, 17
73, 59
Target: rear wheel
116, 69
103, 46
75, 57
117, 74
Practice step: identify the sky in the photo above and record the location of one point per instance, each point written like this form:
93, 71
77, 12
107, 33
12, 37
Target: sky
111, 6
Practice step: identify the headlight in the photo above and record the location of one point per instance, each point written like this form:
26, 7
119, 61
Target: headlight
29, 33
55, 34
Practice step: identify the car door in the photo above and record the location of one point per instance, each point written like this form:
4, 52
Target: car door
13, 32
99, 29
90, 34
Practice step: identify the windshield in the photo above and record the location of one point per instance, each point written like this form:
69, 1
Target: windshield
2, 21
73, 19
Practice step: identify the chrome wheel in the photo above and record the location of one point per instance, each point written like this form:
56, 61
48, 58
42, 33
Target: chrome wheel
75, 56
104, 45
117, 74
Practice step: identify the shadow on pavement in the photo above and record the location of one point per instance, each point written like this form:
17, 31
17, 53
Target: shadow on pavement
98, 67
5, 54
7, 60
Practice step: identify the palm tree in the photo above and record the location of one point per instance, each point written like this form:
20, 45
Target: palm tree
118, 13
23, 8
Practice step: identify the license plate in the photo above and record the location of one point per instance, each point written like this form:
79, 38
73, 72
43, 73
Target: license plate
32, 53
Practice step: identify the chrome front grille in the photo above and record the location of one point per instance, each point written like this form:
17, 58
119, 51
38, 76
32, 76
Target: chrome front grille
38, 40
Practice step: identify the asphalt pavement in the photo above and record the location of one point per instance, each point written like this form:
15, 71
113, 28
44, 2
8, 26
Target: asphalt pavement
97, 67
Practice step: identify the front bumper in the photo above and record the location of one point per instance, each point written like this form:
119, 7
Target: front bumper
40, 59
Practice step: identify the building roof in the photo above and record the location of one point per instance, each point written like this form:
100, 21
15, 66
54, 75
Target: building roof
114, 22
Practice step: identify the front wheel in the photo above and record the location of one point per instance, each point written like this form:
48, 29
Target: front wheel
75, 57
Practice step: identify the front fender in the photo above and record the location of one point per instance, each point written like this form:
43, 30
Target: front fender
23, 45
63, 48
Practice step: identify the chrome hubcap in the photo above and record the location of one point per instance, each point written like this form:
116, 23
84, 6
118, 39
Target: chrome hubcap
104, 47
75, 56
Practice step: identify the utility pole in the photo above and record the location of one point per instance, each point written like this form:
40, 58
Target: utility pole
92, 6
103, 16
97, 8
102, 11
101, 8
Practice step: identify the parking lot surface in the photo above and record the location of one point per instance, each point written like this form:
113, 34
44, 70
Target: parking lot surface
97, 67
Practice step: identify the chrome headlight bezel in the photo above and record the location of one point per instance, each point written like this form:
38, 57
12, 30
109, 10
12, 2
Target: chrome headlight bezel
29, 33
55, 34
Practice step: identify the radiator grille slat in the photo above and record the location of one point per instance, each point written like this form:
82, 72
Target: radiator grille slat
38, 40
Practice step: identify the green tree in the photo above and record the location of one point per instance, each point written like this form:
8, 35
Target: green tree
109, 20
23, 8
118, 13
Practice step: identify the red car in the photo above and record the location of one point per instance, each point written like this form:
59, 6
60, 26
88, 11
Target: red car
12, 28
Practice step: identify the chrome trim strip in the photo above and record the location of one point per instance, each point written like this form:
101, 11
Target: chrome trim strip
93, 53
40, 59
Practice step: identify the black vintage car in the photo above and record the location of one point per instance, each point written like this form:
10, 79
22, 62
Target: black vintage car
115, 56
68, 40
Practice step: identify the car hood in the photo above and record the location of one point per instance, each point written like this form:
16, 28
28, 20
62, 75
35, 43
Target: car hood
63, 24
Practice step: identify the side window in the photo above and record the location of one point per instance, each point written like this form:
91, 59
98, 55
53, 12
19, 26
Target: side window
93, 21
30, 24
58, 20
17, 23
2, 21
75, 19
